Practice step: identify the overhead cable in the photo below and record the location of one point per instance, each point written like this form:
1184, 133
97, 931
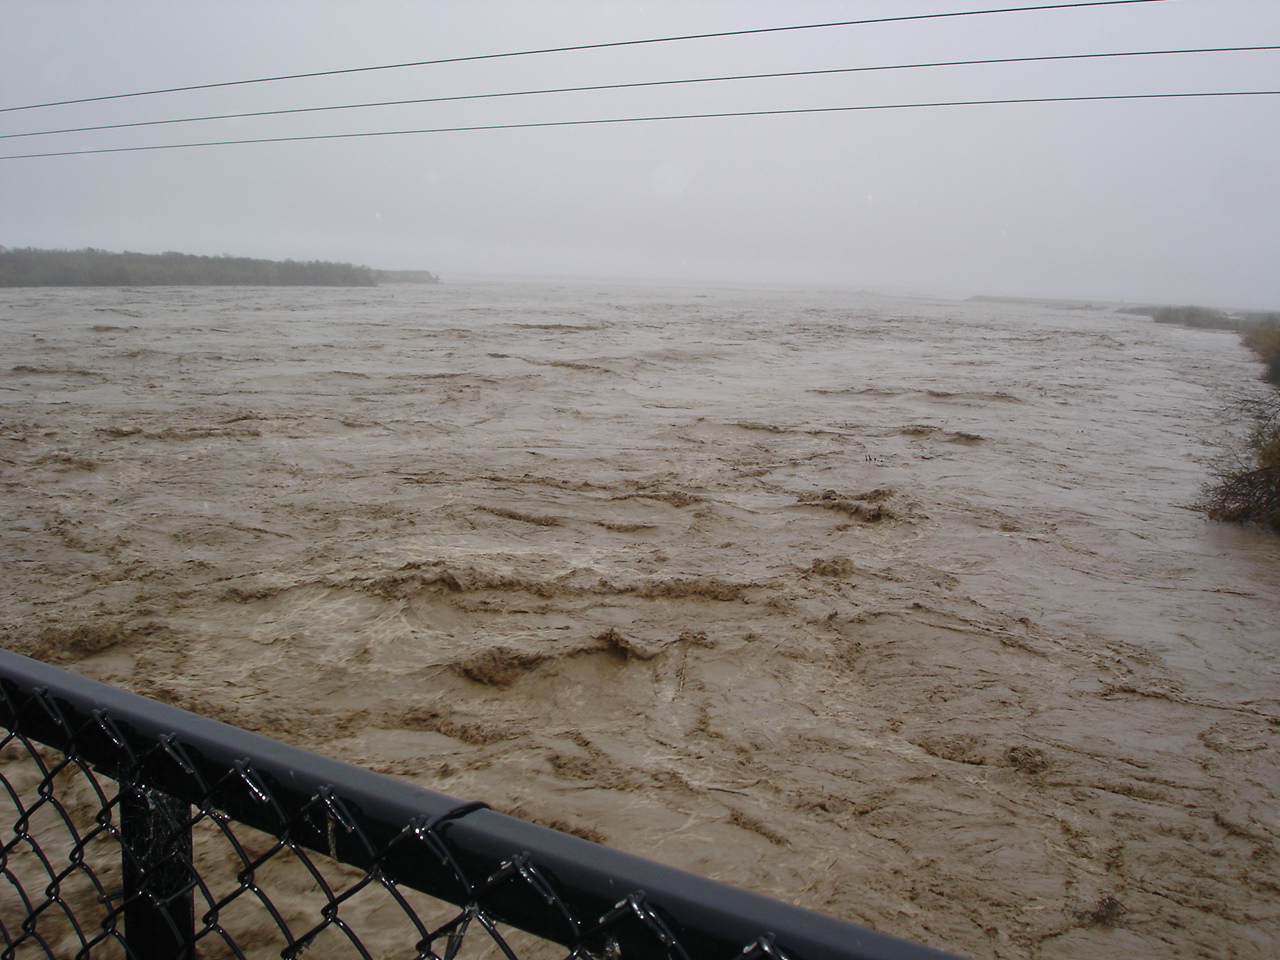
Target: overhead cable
651, 119
585, 46
637, 85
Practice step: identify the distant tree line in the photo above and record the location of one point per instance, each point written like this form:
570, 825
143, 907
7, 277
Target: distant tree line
405, 276
29, 267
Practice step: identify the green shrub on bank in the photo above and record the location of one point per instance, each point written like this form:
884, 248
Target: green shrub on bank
1250, 492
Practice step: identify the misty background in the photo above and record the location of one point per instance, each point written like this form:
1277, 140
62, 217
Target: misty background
1172, 200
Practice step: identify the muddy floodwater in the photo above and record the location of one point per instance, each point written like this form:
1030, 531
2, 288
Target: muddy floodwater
893, 608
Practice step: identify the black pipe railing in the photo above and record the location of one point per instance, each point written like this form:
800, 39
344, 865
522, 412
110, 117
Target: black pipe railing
123, 852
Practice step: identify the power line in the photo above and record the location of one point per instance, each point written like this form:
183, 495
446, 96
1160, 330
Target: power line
650, 119
579, 47
637, 85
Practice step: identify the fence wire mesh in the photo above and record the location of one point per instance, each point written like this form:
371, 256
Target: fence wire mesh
118, 844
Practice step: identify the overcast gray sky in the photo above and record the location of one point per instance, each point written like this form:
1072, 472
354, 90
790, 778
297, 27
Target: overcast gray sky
1161, 200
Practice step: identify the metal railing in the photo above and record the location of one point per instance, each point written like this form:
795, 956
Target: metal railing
134, 829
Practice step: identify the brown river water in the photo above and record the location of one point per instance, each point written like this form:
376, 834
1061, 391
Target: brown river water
894, 608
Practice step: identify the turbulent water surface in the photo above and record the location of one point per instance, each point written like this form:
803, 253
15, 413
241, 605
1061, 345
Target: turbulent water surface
893, 608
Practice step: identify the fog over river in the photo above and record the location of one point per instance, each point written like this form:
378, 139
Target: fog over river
894, 608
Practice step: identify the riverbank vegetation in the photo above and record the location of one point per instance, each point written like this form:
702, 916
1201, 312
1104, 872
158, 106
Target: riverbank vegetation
1264, 340
1248, 489
1206, 318
31, 267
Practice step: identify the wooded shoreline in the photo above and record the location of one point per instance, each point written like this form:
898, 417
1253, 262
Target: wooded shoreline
31, 267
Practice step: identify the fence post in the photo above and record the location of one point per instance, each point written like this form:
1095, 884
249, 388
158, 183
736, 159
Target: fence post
158, 892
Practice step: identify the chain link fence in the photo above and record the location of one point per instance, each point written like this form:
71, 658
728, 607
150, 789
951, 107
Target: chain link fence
132, 829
